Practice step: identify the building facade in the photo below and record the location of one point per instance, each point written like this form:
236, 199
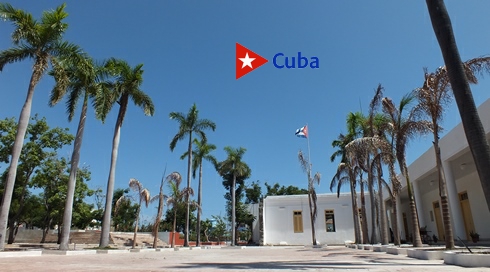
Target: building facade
287, 220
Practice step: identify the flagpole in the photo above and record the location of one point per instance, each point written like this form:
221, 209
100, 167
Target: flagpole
308, 141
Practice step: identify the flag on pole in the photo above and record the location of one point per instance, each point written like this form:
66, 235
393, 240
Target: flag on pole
302, 132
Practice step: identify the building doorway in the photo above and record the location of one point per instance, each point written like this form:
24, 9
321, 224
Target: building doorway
439, 223
469, 226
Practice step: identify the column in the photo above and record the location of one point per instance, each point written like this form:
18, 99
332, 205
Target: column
454, 207
418, 204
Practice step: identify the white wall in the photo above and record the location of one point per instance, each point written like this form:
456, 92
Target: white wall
278, 219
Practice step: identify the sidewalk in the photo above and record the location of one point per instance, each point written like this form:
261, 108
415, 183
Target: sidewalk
333, 258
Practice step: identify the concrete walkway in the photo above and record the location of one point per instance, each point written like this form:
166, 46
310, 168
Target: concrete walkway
332, 258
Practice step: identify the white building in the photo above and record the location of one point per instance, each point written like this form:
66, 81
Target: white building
287, 219
468, 206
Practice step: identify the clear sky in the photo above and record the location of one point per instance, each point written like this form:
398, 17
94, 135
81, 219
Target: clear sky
188, 52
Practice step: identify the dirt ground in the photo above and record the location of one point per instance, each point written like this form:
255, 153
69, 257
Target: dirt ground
333, 258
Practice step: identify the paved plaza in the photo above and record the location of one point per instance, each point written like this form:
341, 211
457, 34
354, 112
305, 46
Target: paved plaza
333, 258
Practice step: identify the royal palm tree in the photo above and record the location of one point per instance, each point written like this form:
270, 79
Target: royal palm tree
79, 80
40, 41
188, 125
473, 128
433, 97
201, 152
306, 167
235, 166
404, 128
126, 85
144, 197
177, 197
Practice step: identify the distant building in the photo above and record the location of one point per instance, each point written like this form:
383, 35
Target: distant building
287, 220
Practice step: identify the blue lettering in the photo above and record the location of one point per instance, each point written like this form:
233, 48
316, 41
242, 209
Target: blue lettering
274, 60
315, 63
292, 63
300, 59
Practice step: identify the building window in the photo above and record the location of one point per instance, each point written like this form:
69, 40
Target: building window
330, 220
298, 221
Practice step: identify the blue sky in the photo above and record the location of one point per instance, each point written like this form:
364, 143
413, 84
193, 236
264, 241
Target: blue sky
188, 52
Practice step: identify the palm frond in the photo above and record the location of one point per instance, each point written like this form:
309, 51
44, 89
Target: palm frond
16, 54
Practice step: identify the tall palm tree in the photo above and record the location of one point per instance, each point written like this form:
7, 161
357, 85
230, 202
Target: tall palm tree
177, 197
201, 152
306, 166
81, 79
433, 97
235, 166
144, 196
403, 129
188, 125
41, 41
126, 85
473, 128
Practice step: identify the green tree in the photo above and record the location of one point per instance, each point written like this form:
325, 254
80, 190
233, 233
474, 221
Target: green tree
144, 197
123, 217
80, 80
219, 229
277, 189
126, 86
41, 41
253, 193
206, 227
201, 152
234, 166
52, 178
43, 143
188, 125
473, 128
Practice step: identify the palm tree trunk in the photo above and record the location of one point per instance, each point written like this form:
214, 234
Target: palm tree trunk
394, 222
372, 201
233, 232
199, 200
417, 241
75, 159
355, 208
473, 128
159, 215
382, 208
25, 114
106, 221
175, 226
365, 238
446, 216
136, 224
310, 202
188, 203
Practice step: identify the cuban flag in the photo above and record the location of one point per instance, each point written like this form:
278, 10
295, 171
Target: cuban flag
302, 132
